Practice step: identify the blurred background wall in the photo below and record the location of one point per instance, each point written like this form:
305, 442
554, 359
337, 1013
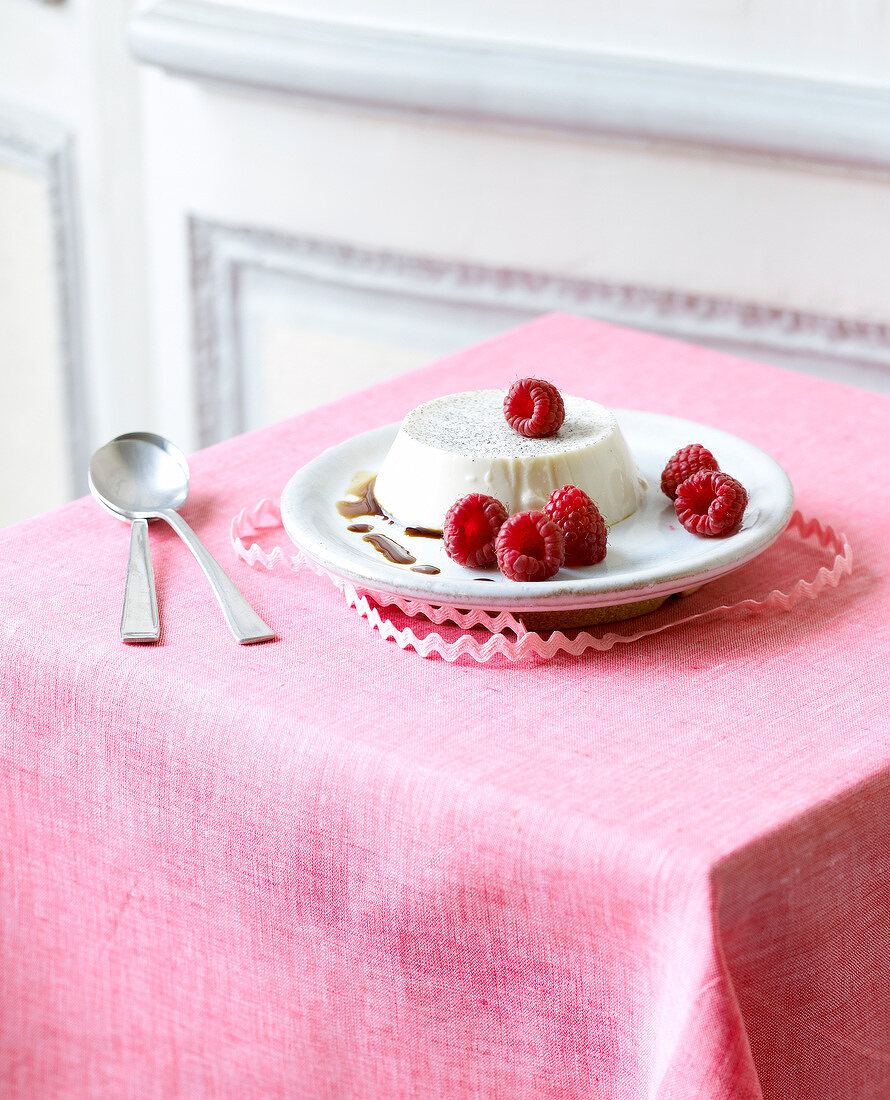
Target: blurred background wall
216, 213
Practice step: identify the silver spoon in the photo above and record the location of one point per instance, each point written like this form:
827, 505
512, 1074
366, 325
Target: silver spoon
139, 617
144, 476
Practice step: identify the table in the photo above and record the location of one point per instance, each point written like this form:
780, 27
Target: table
328, 867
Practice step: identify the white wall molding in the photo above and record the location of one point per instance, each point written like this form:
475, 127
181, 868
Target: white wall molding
524, 85
224, 257
36, 143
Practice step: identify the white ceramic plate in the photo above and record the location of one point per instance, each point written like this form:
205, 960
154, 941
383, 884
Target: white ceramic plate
649, 554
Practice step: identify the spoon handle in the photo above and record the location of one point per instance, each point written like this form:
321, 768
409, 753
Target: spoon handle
139, 620
245, 624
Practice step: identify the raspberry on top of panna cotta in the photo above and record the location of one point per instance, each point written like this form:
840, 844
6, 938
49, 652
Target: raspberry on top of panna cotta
534, 408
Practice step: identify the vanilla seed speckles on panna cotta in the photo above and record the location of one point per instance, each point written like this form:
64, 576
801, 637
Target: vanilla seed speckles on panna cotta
461, 443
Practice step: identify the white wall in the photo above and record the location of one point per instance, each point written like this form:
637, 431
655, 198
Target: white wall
65, 68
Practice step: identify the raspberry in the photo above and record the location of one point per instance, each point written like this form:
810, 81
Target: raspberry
688, 460
471, 526
530, 547
534, 408
579, 519
710, 503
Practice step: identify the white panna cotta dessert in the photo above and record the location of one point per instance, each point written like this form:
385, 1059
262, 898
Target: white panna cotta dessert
462, 443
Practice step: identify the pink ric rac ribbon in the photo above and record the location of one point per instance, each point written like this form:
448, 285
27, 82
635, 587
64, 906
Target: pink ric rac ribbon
377, 607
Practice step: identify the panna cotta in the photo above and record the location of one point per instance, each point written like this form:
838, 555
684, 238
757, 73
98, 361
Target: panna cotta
462, 443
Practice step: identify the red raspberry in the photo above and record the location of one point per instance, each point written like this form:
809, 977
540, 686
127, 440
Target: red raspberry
534, 408
688, 460
579, 519
471, 526
530, 547
710, 503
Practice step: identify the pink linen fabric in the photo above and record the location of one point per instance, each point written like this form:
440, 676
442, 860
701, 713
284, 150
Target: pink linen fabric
325, 867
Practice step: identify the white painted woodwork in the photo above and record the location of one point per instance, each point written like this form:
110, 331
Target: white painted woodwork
554, 87
827, 40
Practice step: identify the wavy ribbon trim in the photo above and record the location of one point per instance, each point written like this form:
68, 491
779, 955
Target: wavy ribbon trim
266, 515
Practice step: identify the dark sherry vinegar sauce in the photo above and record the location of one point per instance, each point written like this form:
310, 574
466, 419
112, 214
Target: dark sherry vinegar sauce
390, 549
366, 505
423, 532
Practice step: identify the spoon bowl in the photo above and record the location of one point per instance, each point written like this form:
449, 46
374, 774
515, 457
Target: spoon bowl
138, 475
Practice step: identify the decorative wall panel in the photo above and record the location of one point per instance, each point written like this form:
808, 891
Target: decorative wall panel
37, 149
351, 316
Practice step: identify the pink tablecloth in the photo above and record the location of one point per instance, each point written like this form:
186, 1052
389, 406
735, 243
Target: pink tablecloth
337, 869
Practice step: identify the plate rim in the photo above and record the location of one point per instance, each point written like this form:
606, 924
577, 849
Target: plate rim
557, 596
